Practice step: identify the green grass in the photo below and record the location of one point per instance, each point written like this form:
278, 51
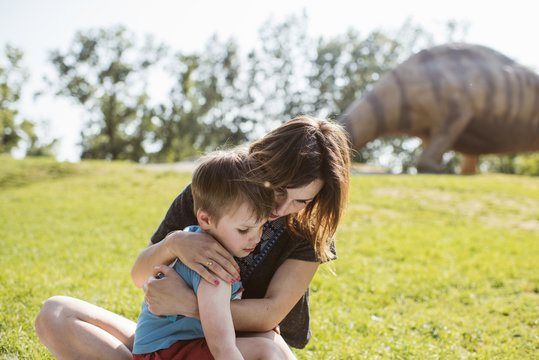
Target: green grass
430, 267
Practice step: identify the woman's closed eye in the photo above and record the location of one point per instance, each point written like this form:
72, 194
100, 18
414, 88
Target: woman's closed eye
280, 192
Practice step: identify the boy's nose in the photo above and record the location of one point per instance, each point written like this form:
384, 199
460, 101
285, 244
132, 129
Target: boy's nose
255, 238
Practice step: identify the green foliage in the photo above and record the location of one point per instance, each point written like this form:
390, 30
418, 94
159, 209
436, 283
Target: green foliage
528, 164
198, 118
429, 266
348, 65
13, 130
218, 97
498, 163
277, 73
12, 79
104, 72
521, 164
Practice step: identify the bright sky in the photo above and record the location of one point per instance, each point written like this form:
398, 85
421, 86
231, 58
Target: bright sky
38, 26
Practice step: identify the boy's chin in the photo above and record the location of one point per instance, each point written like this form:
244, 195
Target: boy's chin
243, 253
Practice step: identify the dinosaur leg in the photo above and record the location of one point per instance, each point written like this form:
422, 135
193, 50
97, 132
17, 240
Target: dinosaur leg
429, 161
442, 138
468, 164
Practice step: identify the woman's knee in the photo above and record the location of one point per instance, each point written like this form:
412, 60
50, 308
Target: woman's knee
52, 316
272, 352
268, 350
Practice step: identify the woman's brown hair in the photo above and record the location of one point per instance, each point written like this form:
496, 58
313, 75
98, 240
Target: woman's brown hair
295, 154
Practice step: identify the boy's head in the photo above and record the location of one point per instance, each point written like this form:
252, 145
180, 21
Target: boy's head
230, 201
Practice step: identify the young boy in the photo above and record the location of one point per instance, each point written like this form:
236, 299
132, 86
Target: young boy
232, 206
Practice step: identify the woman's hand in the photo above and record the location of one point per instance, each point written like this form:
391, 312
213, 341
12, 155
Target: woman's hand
204, 255
162, 294
199, 251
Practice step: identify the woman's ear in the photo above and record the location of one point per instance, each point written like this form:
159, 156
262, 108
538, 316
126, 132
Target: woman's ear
204, 220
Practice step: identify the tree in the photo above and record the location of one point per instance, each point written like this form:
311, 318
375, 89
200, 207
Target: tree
34, 146
12, 78
203, 112
106, 73
216, 98
276, 83
347, 65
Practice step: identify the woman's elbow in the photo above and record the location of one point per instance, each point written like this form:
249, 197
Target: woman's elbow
139, 271
272, 319
138, 280
268, 325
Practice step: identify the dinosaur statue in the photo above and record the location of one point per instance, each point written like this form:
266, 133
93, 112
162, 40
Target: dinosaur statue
461, 97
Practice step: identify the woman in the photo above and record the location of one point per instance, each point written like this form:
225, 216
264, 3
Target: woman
307, 162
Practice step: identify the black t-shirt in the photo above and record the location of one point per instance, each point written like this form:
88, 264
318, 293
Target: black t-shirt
295, 327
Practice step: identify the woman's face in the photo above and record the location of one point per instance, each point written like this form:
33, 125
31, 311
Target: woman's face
291, 200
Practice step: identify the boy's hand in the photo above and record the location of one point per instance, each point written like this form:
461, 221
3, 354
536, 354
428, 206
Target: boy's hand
204, 255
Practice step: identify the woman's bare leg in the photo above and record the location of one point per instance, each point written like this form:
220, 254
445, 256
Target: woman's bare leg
75, 329
269, 345
259, 348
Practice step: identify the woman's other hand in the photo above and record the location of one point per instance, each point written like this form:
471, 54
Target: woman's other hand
162, 294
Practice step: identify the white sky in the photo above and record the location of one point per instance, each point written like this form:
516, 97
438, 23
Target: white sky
38, 26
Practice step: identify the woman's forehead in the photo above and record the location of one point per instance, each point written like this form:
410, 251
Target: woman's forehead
306, 191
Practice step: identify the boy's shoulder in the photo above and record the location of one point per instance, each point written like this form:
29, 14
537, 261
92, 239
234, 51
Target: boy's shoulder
193, 228
191, 278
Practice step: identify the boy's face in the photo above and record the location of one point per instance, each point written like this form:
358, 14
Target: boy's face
237, 230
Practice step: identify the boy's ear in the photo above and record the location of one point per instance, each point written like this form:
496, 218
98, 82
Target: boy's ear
204, 220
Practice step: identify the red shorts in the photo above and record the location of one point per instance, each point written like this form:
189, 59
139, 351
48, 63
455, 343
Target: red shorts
196, 349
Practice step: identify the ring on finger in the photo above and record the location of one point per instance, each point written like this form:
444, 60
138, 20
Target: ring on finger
209, 263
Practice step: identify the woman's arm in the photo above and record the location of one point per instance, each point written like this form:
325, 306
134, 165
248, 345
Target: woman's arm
286, 287
194, 250
264, 314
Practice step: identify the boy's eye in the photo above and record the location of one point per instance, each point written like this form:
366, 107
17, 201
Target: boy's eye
243, 231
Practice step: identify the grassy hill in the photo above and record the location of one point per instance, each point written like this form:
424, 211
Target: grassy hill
429, 266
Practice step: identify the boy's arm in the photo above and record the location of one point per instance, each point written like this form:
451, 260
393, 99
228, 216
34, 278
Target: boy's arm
216, 319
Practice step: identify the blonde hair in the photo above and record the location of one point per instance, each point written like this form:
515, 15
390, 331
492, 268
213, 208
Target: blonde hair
227, 178
295, 154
